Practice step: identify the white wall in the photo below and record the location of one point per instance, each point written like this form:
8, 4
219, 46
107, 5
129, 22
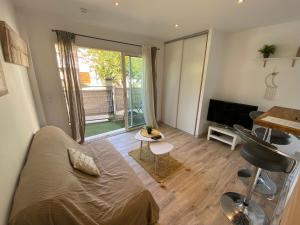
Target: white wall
211, 76
243, 73
18, 121
42, 42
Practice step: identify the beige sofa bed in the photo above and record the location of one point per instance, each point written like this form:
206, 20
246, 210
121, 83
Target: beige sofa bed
51, 192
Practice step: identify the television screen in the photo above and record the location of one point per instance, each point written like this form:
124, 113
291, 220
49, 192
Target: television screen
230, 113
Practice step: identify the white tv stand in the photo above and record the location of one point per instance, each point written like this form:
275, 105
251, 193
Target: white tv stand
224, 135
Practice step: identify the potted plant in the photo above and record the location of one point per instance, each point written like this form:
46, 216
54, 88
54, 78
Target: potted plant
149, 129
267, 50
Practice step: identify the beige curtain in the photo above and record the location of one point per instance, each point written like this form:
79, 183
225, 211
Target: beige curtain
148, 89
154, 76
67, 51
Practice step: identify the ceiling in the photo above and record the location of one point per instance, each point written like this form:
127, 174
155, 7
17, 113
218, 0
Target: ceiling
157, 18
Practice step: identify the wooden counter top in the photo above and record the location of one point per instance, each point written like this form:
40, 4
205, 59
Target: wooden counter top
287, 114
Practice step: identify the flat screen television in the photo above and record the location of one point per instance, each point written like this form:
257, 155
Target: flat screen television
230, 113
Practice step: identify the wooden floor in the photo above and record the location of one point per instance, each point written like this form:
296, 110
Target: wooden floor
190, 197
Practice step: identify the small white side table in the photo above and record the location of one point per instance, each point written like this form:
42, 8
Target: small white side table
160, 148
142, 139
224, 135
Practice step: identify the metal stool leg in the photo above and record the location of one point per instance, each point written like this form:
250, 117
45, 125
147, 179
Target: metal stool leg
265, 185
252, 186
240, 209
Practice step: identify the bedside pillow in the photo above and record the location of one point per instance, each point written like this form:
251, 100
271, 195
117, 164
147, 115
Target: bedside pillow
83, 162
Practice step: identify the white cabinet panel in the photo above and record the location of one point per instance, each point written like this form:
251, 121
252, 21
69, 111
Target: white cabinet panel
172, 68
190, 82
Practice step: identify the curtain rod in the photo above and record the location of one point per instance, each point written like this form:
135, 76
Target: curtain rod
104, 39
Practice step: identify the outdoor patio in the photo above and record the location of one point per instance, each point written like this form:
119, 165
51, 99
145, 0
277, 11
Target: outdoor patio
104, 109
93, 129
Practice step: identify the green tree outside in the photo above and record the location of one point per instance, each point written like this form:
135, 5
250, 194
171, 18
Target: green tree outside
108, 65
136, 71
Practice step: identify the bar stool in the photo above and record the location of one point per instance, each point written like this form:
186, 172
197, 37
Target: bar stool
276, 137
265, 184
240, 209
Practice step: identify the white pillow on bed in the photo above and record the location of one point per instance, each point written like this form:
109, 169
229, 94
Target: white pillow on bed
83, 162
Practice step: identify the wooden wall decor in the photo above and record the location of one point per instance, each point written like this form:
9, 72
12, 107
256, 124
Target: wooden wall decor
3, 87
13, 46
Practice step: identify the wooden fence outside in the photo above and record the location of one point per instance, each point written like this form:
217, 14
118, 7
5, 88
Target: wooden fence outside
109, 100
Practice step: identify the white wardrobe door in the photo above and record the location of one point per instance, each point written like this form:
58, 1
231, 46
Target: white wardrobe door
173, 55
190, 82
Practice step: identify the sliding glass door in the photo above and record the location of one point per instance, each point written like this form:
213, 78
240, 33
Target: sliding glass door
134, 74
101, 78
111, 86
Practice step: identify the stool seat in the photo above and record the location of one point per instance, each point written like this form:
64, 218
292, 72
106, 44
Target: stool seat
260, 132
254, 114
279, 138
264, 159
279, 134
161, 147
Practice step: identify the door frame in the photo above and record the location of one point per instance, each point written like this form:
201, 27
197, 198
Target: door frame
123, 55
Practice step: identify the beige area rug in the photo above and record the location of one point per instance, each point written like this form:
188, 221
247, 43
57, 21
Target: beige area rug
167, 165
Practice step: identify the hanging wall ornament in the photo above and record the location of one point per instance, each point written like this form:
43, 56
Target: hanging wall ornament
271, 86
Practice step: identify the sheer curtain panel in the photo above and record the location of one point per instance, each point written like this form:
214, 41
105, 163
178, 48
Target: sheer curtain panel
148, 88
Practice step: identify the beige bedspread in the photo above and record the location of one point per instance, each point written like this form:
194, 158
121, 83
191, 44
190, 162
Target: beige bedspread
51, 192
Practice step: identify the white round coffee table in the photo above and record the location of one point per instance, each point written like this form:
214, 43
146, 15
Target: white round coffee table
160, 148
142, 139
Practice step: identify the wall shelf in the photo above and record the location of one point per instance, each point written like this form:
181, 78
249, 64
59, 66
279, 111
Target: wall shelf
293, 59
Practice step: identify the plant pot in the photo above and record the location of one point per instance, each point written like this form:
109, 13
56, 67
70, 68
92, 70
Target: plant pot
149, 129
266, 55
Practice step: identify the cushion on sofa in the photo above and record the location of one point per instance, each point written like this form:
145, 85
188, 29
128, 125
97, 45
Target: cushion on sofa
83, 162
